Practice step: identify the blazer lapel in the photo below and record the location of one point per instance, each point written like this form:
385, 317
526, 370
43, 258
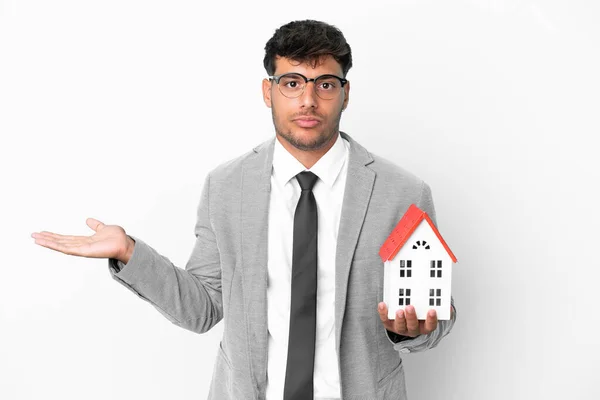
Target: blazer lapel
255, 197
359, 185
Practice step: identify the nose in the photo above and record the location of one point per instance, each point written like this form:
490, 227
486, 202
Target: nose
309, 96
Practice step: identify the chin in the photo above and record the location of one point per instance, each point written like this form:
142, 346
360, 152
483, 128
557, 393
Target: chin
306, 139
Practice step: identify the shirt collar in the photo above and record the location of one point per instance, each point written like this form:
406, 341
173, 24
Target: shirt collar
327, 168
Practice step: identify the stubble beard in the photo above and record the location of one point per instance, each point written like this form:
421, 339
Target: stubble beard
320, 141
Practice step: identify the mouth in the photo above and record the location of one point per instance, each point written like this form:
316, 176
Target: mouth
307, 122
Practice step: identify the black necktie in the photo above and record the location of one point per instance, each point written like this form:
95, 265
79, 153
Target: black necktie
303, 309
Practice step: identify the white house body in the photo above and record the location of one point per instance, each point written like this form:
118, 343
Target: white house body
420, 274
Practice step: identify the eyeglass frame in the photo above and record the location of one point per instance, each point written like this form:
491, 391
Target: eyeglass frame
276, 78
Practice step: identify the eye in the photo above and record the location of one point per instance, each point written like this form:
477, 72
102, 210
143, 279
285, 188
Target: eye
328, 85
291, 82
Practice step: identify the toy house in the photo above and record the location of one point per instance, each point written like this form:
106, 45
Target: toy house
417, 267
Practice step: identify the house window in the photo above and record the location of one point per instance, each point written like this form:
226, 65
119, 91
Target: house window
436, 269
405, 268
435, 297
404, 297
421, 243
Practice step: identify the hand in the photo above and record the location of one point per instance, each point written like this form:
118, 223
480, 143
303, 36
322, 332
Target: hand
406, 322
109, 241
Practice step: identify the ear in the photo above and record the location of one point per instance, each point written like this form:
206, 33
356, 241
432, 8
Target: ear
346, 95
266, 89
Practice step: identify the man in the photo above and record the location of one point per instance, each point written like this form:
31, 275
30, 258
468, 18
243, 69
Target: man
287, 246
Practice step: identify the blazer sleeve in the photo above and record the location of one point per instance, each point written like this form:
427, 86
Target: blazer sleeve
405, 344
191, 297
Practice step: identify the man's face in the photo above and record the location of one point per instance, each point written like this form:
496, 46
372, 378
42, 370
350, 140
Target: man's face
306, 122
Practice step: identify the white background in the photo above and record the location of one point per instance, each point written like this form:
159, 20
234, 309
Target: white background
117, 109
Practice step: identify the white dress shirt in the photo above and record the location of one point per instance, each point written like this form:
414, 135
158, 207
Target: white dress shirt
331, 169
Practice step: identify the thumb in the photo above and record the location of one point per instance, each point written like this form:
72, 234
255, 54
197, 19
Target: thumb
94, 224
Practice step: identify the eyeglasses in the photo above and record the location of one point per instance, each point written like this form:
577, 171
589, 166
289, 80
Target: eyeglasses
292, 85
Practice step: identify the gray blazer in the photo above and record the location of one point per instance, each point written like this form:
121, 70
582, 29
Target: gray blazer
226, 275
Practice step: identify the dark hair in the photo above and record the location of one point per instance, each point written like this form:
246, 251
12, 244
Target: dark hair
307, 41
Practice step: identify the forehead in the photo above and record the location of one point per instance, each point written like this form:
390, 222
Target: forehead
322, 65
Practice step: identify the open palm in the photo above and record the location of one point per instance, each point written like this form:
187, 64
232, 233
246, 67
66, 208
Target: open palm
109, 241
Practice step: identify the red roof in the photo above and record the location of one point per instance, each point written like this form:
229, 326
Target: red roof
401, 233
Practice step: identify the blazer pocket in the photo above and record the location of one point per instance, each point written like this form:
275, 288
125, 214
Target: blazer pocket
223, 355
392, 386
228, 267
220, 387
373, 258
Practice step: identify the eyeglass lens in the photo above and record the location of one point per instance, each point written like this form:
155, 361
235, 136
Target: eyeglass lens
293, 85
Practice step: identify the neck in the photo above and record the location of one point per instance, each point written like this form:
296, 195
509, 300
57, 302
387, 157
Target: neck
308, 158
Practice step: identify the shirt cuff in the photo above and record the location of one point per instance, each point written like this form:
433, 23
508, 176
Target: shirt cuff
395, 338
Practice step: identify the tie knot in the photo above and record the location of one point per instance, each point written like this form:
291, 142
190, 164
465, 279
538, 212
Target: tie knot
306, 180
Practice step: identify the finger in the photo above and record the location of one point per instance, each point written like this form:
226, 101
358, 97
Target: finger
79, 248
50, 235
383, 315
400, 322
412, 323
51, 244
94, 224
382, 310
430, 322
63, 239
